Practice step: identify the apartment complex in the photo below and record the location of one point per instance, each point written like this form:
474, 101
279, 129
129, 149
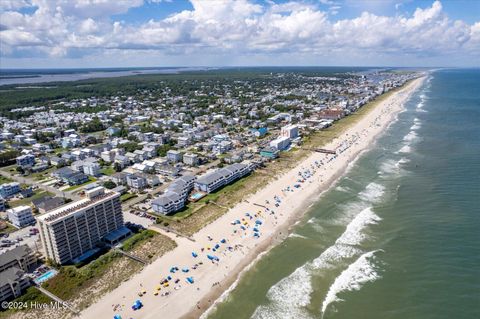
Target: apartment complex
13, 265
72, 230
175, 196
290, 131
213, 181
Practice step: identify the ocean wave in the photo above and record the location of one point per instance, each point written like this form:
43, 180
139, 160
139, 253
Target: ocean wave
403, 160
288, 297
415, 127
353, 278
227, 292
372, 192
344, 246
389, 167
342, 189
295, 235
410, 136
405, 149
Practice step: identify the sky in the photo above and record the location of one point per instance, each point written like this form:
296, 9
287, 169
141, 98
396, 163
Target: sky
159, 33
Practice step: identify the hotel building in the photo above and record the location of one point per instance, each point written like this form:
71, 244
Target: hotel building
74, 229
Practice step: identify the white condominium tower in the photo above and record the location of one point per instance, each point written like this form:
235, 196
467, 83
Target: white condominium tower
74, 229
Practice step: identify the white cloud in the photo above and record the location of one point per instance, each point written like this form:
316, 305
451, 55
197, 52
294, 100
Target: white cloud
239, 28
14, 4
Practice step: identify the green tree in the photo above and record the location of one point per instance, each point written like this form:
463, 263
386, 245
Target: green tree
117, 167
109, 185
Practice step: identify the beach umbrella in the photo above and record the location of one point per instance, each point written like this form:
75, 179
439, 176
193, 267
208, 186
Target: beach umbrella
194, 254
217, 246
223, 241
258, 222
255, 229
190, 280
117, 317
210, 257
185, 270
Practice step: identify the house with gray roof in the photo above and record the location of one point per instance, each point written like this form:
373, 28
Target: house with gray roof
175, 196
210, 182
13, 282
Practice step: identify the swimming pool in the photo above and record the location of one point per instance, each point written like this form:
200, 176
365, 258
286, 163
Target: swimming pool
49, 274
197, 196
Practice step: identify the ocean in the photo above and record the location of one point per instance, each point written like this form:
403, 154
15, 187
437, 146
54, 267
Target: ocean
398, 236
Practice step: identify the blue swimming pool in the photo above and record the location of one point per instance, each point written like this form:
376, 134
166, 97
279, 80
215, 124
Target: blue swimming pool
197, 196
49, 274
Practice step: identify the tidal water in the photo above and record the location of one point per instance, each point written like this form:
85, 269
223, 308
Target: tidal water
398, 236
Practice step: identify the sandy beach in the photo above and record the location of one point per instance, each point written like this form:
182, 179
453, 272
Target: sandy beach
201, 270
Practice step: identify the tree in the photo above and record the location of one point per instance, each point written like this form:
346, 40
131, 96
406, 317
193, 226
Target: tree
109, 185
117, 167
131, 146
20, 170
8, 157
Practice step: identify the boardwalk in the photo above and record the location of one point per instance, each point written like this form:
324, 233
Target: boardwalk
57, 299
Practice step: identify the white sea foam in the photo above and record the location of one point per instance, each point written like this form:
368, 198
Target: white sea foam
288, 297
405, 149
353, 278
389, 167
227, 292
342, 189
348, 212
415, 126
352, 236
410, 136
403, 160
372, 192
295, 235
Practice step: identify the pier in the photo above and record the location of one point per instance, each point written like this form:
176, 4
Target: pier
325, 151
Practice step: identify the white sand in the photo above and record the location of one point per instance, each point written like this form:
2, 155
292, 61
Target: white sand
191, 300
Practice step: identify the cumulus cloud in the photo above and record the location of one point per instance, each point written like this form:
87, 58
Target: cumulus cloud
239, 27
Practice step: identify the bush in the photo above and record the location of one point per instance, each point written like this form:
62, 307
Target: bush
131, 242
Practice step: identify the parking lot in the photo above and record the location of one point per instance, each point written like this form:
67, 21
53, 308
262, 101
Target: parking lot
21, 237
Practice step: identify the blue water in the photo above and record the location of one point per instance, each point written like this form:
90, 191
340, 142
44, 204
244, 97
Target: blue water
398, 236
44, 277
31, 76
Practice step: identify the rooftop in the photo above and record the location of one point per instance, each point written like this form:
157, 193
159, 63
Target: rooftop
72, 208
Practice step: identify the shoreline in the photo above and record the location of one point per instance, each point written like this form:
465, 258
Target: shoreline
219, 295
354, 141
